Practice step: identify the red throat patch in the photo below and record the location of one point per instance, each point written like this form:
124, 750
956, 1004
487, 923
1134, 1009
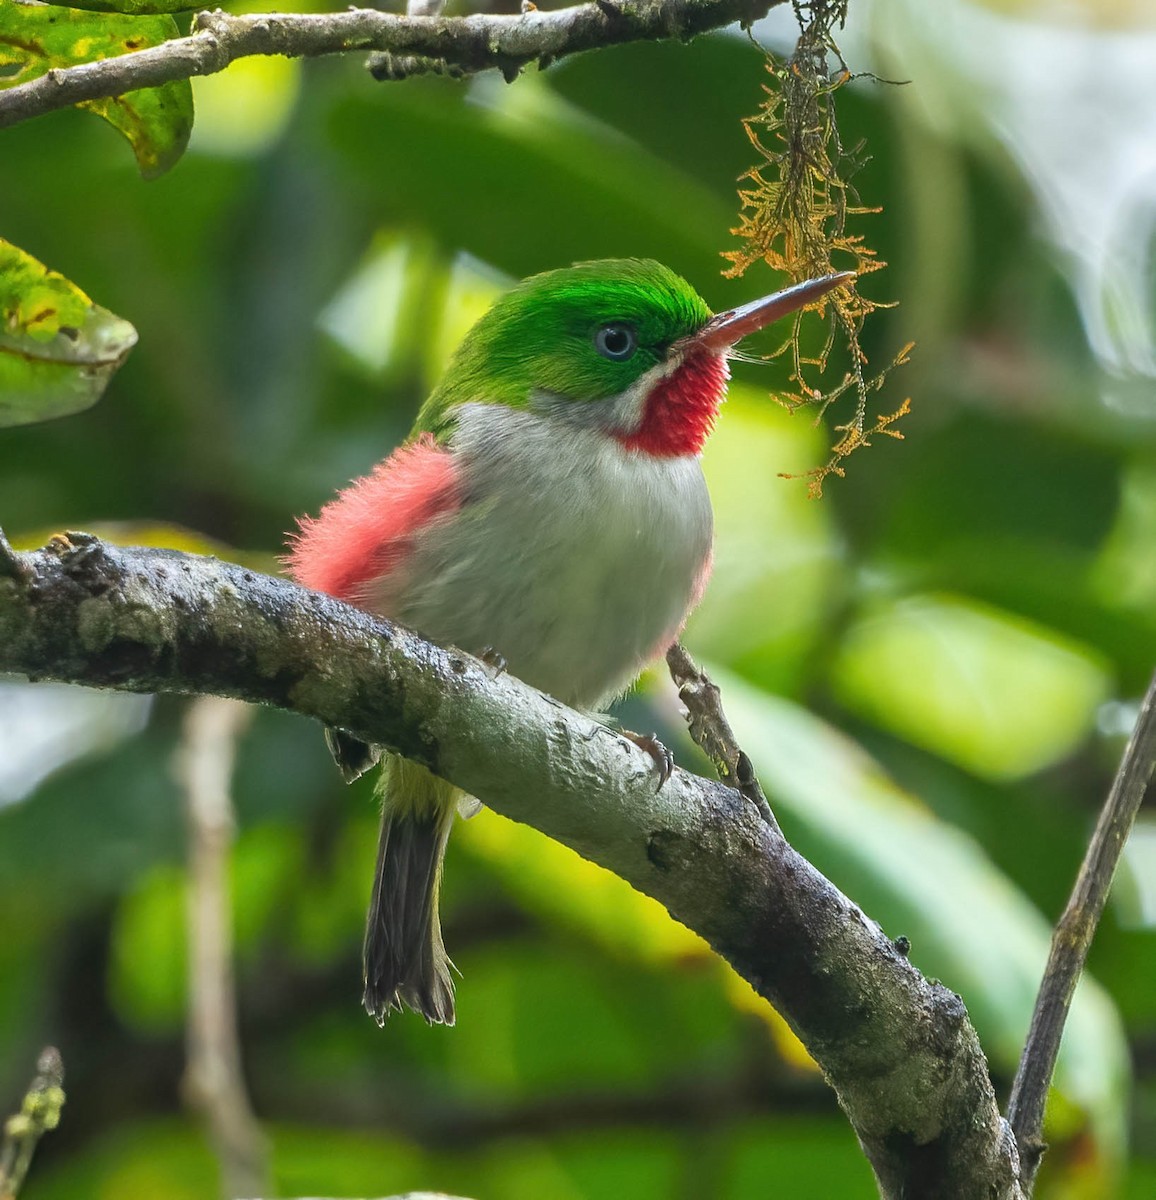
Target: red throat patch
369, 529
681, 409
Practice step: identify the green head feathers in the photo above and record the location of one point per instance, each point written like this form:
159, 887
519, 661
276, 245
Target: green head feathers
585, 332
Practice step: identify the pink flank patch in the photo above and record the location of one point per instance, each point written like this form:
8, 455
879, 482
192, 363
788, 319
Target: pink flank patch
370, 527
681, 410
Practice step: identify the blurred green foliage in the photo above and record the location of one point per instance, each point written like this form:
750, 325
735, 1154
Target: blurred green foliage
972, 608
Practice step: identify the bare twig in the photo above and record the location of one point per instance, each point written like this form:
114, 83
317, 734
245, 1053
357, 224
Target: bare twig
453, 45
1073, 936
214, 1082
712, 731
39, 1113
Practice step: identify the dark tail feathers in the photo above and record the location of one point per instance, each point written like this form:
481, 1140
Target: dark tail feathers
405, 961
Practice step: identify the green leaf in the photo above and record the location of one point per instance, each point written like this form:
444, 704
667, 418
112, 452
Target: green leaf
968, 924
156, 121
994, 693
551, 880
58, 350
577, 894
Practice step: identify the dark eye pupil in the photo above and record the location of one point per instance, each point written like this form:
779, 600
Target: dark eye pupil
615, 341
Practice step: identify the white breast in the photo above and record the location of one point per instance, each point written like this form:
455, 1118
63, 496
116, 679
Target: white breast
573, 558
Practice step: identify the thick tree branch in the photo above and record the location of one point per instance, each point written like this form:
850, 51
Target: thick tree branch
1073, 937
451, 45
898, 1049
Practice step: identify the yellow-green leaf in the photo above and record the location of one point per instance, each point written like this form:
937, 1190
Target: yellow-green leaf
39, 38
984, 688
58, 350
553, 880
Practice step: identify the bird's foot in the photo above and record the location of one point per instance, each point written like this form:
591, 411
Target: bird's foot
663, 758
494, 660
352, 756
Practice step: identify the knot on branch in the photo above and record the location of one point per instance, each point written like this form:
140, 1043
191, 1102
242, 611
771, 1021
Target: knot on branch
213, 30
82, 558
209, 22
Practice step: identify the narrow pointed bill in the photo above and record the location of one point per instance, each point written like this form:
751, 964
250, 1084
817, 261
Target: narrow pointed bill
724, 330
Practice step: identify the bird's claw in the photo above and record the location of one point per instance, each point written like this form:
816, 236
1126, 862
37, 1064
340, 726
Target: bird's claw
663, 758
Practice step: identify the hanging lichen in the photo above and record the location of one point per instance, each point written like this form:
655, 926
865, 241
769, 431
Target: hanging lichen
794, 218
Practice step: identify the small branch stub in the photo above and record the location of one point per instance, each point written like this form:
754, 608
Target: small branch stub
711, 730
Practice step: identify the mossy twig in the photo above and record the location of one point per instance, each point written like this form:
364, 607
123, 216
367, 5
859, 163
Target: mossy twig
795, 218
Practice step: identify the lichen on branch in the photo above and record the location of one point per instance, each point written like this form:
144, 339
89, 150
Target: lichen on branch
898, 1048
794, 217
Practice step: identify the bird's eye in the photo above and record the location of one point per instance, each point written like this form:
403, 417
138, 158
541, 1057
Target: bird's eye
616, 342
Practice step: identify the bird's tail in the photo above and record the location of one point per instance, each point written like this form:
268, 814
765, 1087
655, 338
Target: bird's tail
405, 961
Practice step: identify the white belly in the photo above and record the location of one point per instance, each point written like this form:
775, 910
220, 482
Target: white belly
573, 558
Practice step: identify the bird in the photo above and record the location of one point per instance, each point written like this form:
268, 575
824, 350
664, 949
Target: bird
548, 512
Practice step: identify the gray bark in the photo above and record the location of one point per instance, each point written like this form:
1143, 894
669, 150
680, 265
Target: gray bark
897, 1048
